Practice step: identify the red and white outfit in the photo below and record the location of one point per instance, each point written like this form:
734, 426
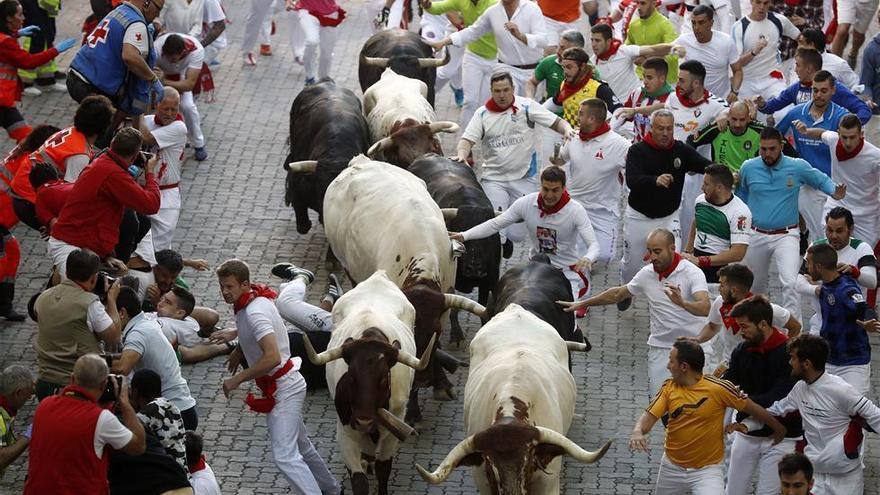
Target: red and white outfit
617, 67
435, 28
318, 20
195, 57
594, 168
170, 142
860, 171
640, 125
763, 75
284, 391
202, 479
728, 338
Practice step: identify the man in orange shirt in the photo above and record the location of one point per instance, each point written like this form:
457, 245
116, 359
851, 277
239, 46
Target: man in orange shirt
559, 15
693, 407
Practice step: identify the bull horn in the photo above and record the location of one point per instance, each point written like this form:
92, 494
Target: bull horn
378, 146
408, 359
323, 358
429, 62
453, 458
546, 435
377, 61
454, 301
302, 167
395, 425
577, 346
449, 214
443, 126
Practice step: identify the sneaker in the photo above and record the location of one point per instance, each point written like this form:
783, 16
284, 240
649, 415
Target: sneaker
249, 59
459, 97
214, 62
289, 271
201, 154
310, 81
57, 87
266, 50
507, 249
298, 59
625, 304
272, 29
334, 289
32, 91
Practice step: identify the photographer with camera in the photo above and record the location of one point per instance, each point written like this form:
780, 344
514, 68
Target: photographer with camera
72, 322
70, 432
144, 346
92, 214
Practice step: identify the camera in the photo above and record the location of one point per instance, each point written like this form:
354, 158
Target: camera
142, 159
109, 394
102, 285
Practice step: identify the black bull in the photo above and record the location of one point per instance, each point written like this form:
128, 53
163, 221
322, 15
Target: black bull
327, 130
455, 189
404, 52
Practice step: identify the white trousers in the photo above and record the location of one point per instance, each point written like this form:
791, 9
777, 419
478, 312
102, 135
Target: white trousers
293, 308
693, 187
475, 74
768, 87
163, 223
556, 28
520, 77
636, 228
811, 204
784, 251
433, 29
265, 37
145, 249
502, 193
605, 224
315, 36
857, 375
292, 450
658, 358
394, 16
851, 483
749, 454
872, 130
259, 13
192, 119
58, 253
673, 479
580, 283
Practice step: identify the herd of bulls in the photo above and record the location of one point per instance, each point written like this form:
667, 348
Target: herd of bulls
386, 222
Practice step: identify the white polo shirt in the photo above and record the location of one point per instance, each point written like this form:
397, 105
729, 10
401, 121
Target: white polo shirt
619, 70
594, 169
508, 138
719, 227
861, 174
527, 17
668, 320
716, 56
257, 320
730, 337
767, 60
689, 120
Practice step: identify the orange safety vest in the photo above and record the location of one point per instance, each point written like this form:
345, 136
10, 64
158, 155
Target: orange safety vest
7, 171
10, 86
58, 148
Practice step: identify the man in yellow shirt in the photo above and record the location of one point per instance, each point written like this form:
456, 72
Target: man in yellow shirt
692, 405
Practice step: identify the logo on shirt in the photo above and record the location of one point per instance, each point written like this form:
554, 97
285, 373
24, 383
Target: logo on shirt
138, 37
698, 112
680, 409
599, 155
546, 240
789, 183
741, 222
676, 163
747, 145
99, 34
829, 298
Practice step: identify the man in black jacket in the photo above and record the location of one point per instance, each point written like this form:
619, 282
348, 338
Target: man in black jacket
655, 171
760, 367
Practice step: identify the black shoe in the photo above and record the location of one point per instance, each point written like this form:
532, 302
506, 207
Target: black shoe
625, 304
334, 289
805, 242
12, 315
289, 271
7, 295
507, 249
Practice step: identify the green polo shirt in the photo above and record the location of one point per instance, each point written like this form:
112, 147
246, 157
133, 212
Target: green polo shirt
550, 71
485, 45
654, 30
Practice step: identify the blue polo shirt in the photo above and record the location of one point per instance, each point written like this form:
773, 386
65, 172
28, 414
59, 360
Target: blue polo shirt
772, 192
842, 303
812, 150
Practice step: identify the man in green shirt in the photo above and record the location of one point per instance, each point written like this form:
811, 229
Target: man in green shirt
549, 71
651, 28
479, 57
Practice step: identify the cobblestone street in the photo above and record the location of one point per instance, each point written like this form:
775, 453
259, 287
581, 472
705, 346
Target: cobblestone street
233, 206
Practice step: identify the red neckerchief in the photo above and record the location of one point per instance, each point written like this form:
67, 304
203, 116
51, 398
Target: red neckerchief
843, 155
649, 140
493, 107
808, 84
615, 45
729, 321
267, 385
676, 259
775, 340
566, 90
75, 390
683, 98
198, 466
188, 46
257, 290
602, 129
555, 208
7, 406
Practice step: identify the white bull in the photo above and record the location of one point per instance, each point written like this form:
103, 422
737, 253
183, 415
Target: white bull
373, 334
518, 405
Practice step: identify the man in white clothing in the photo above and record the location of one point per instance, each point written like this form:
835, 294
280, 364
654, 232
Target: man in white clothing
505, 129
263, 342
520, 33
827, 405
164, 134
180, 58
595, 167
318, 21
715, 50
555, 225
259, 13
814, 39
678, 301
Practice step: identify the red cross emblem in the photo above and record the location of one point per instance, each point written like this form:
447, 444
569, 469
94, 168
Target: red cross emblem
99, 34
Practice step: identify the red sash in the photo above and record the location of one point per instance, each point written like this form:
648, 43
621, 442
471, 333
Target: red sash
267, 385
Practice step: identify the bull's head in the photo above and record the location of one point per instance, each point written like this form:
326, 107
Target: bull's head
430, 304
407, 65
364, 391
409, 140
510, 451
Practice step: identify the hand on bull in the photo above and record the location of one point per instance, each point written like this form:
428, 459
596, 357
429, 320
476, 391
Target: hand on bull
570, 307
584, 265
456, 236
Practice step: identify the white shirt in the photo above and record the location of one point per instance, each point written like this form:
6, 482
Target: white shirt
97, 318
722, 17
668, 320
719, 227
257, 320
555, 235
728, 339
861, 174
74, 165
183, 332
204, 482
619, 70
183, 16
214, 13
193, 60
689, 120
508, 138
826, 406
110, 431
144, 279
717, 55
170, 142
768, 59
137, 36
594, 169
527, 17
838, 68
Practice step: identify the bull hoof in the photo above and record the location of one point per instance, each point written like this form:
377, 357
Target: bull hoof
304, 227
360, 485
444, 394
